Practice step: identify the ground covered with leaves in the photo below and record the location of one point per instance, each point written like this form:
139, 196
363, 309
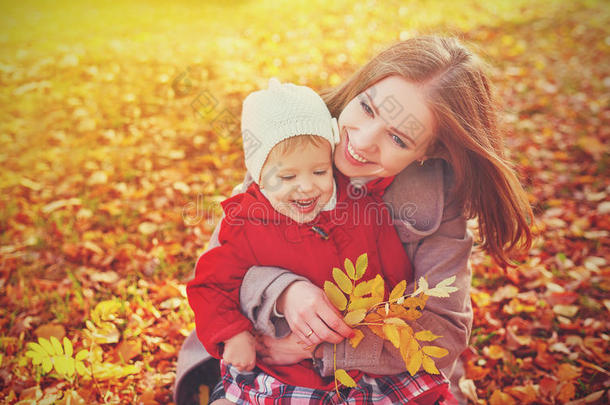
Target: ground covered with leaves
119, 136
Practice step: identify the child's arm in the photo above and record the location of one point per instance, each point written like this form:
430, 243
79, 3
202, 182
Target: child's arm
240, 351
214, 292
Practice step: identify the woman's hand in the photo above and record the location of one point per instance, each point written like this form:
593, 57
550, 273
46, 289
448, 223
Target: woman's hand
311, 316
282, 352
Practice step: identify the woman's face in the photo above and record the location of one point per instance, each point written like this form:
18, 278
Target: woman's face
383, 129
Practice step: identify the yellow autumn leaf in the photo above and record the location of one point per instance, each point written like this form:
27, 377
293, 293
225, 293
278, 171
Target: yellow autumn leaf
408, 345
342, 280
363, 288
357, 338
414, 362
335, 295
361, 264
361, 303
391, 333
495, 352
398, 291
104, 332
429, 365
378, 286
81, 355
56, 346
344, 378
68, 349
435, 351
395, 321
426, 336
353, 317
349, 268
47, 346
105, 311
64, 365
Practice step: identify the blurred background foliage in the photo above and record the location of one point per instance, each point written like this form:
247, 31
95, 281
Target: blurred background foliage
119, 135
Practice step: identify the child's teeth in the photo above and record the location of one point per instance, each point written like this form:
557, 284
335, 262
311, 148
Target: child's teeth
355, 155
304, 203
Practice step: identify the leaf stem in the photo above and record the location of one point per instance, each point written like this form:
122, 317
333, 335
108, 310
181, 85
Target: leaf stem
335, 369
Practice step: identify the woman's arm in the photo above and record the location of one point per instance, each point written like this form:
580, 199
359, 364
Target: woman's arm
436, 258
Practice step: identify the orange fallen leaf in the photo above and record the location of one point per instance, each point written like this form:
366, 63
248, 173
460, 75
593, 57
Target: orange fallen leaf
50, 329
525, 394
128, 349
566, 392
567, 372
501, 398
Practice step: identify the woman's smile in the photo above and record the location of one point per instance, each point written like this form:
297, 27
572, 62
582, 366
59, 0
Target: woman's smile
351, 154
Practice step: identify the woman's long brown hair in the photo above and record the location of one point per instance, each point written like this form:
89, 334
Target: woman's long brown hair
459, 95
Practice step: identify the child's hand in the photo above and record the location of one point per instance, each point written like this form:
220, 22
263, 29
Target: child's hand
240, 351
285, 351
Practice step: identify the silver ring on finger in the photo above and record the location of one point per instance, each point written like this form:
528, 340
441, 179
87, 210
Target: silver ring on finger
309, 334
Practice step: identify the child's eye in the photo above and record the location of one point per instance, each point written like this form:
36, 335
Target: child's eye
398, 141
367, 109
319, 172
287, 177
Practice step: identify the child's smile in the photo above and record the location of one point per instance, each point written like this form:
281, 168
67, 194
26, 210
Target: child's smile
299, 183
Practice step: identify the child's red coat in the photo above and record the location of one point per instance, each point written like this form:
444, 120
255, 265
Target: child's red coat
254, 234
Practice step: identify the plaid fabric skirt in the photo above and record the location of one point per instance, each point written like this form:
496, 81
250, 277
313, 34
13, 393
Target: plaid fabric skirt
257, 387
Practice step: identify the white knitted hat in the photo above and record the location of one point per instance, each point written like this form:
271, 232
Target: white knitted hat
282, 111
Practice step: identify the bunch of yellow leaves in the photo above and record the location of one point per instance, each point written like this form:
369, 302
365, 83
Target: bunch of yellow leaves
365, 304
50, 354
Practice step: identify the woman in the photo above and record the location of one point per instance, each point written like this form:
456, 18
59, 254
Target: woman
422, 111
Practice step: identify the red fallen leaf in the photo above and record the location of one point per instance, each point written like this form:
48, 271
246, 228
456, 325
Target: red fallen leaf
562, 298
568, 324
23, 218
71, 250
518, 333
50, 329
548, 387
543, 358
46, 285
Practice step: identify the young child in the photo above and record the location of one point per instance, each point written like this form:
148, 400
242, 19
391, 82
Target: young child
294, 215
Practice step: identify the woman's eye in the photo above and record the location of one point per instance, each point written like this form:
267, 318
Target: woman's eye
398, 141
367, 109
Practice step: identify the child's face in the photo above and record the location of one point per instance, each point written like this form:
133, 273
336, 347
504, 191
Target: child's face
299, 183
